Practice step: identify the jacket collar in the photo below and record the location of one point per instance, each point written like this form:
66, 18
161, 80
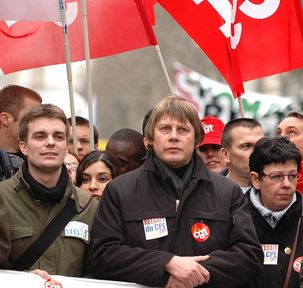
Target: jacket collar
70, 190
200, 171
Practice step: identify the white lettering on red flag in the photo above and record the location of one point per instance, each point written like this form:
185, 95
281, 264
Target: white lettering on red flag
254, 41
30, 10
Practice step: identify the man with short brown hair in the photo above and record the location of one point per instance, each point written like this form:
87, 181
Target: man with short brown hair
238, 140
15, 100
291, 127
82, 147
172, 223
39, 192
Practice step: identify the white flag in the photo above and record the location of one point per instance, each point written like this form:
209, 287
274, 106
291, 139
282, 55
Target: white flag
30, 10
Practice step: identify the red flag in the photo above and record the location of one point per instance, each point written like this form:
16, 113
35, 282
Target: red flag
149, 8
33, 10
245, 39
114, 26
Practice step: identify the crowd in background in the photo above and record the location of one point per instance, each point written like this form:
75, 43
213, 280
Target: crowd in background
188, 202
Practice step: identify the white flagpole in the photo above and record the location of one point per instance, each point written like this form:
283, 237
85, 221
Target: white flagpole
88, 75
69, 73
152, 38
166, 75
241, 108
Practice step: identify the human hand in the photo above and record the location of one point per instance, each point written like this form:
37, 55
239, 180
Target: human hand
188, 271
174, 283
49, 282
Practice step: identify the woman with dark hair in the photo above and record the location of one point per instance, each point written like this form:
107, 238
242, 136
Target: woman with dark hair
95, 170
276, 209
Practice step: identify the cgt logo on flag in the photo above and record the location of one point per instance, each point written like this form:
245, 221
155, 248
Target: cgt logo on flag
244, 40
228, 12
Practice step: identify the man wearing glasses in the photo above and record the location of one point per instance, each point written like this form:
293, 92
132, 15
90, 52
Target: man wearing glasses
276, 208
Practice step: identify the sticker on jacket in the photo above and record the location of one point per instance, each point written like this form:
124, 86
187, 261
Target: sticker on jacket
200, 232
77, 229
271, 253
155, 228
297, 264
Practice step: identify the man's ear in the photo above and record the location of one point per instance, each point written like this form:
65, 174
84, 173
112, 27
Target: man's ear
147, 143
5, 119
23, 148
225, 155
254, 179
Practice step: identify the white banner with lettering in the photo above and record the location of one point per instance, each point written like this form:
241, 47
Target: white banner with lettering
211, 97
15, 279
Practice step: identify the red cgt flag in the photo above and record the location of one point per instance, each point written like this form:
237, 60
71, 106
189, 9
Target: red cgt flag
245, 39
34, 10
114, 27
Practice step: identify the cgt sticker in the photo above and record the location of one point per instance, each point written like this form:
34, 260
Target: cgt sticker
200, 232
297, 264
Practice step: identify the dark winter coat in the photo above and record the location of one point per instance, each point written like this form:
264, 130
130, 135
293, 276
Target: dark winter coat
283, 234
121, 252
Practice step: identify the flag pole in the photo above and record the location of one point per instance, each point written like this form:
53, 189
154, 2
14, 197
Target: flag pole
241, 109
88, 75
168, 82
69, 73
153, 40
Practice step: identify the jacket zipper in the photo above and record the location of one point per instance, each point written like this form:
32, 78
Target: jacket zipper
177, 204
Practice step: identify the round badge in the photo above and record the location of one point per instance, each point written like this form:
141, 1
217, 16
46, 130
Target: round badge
297, 264
287, 251
200, 232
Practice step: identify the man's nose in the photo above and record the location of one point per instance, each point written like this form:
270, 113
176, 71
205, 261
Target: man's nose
210, 152
173, 133
283, 134
50, 140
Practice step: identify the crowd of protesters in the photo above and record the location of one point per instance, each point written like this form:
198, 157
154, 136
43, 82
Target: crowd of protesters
189, 202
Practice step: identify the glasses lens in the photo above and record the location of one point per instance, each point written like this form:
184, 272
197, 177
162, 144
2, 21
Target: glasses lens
276, 177
280, 177
293, 177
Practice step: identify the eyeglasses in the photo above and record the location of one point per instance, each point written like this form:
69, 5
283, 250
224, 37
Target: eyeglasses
73, 166
279, 177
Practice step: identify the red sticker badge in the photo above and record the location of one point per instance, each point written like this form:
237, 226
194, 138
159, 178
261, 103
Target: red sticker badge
297, 264
200, 232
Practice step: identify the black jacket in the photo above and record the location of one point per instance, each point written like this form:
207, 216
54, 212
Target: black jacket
283, 234
5, 244
121, 252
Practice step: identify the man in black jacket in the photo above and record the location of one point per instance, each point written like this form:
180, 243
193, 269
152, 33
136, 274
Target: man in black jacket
171, 222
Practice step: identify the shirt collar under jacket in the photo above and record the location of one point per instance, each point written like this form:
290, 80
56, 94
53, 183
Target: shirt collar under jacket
270, 216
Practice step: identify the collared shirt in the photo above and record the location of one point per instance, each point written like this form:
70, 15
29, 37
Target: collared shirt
272, 217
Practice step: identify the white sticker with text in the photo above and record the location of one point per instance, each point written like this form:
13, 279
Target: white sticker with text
155, 228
